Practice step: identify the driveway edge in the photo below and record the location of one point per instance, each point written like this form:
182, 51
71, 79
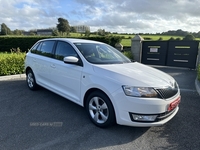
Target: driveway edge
11, 77
197, 84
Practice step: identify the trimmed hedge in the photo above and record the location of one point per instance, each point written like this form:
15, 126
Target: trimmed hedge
25, 42
11, 63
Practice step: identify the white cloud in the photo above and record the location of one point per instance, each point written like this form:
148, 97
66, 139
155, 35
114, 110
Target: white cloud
132, 16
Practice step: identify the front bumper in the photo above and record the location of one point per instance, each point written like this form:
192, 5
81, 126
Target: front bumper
125, 106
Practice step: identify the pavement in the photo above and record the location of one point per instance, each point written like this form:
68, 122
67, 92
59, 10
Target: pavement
12, 77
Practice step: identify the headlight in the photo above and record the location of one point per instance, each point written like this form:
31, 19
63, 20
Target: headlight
139, 91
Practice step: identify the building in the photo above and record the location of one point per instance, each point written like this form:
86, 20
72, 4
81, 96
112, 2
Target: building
81, 28
44, 31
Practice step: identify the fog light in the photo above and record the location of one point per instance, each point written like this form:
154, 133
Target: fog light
138, 117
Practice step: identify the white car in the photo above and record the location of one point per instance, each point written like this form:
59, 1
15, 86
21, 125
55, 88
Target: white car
111, 87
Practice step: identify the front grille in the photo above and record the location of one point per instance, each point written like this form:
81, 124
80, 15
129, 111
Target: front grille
168, 92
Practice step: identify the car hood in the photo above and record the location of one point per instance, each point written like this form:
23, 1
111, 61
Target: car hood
134, 74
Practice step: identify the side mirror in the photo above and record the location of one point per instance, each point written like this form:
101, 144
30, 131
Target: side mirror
72, 60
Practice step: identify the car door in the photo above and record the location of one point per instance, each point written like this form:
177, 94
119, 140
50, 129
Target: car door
43, 55
67, 77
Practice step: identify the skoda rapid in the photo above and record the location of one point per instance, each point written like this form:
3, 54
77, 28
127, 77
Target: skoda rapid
111, 87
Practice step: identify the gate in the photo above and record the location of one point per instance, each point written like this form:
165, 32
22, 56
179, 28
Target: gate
170, 53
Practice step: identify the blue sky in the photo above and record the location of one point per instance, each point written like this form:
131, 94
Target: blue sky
130, 16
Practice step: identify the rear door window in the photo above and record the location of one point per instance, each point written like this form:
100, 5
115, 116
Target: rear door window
64, 49
47, 48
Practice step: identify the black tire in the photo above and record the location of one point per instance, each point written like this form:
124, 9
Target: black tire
30, 80
100, 109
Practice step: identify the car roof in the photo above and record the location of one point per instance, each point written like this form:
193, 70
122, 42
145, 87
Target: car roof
72, 40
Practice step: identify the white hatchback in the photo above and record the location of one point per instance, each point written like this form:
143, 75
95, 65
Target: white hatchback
112, 88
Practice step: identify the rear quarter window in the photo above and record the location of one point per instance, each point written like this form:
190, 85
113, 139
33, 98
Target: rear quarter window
44, 48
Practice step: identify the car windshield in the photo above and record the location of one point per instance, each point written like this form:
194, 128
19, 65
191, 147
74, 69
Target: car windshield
101, 53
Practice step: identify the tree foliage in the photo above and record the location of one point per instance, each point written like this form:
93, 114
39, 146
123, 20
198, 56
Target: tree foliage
5, 30
73, 29
101, 32
87, 33
63, 25
17, 32
189, 37
55, 33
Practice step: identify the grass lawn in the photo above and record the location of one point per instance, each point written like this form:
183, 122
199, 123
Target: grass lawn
126, 42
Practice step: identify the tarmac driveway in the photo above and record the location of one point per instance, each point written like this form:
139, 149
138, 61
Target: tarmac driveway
43, 120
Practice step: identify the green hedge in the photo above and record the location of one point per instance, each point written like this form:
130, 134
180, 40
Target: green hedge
11, 63
198, 72
25, 42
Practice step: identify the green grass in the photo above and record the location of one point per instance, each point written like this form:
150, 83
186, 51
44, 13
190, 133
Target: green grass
126, 42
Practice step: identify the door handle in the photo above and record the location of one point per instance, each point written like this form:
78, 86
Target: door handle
53, 66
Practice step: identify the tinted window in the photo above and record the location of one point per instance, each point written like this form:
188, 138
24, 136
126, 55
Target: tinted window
47, 47
64, 49
36, 48
44, 48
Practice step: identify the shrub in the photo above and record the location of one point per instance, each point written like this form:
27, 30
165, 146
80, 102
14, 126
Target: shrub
12, 63
128, 54
189, 37
147, 38
172, 39
198, 72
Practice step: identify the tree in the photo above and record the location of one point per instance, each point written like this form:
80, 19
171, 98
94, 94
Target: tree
55, 33
87, 33
63, 25
17, 32
73, 29
101, 32
189, 37
5, 30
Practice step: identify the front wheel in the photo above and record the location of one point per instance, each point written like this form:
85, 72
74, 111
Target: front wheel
100, 109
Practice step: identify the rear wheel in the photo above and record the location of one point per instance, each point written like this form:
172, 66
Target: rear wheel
30, 80
100, 109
